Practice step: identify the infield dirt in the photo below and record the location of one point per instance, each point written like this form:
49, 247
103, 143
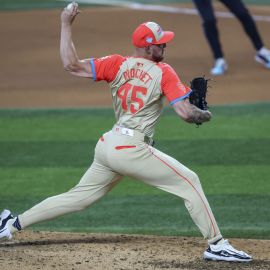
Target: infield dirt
42, 250
32, 76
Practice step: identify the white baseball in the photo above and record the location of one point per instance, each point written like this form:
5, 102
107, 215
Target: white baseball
70, 6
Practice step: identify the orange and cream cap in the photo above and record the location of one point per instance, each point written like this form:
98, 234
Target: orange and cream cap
150, 33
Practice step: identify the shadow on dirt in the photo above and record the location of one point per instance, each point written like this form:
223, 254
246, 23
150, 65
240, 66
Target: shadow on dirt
82, 240
210, 265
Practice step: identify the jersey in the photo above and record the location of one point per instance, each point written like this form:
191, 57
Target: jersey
138, 86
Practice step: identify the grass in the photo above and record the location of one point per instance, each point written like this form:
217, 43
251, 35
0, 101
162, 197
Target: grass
45, 152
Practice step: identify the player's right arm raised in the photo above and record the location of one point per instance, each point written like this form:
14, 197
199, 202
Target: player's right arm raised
69, 57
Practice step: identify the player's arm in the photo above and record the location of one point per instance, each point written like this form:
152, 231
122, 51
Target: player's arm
69, 57
177, 94
191, 113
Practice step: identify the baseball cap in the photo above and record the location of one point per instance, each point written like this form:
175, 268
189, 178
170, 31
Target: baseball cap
150, 33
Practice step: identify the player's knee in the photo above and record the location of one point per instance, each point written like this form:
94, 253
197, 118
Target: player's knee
194, 178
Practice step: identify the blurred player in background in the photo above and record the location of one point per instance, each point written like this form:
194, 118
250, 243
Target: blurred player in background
209, 23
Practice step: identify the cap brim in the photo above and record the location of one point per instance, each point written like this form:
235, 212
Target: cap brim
167, 37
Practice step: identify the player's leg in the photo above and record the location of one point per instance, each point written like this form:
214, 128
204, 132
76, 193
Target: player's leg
209, 24
174, 177
95, 183
238, 8
162, 171
211, 32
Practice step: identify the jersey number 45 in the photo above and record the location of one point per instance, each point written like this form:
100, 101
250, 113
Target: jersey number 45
135, 103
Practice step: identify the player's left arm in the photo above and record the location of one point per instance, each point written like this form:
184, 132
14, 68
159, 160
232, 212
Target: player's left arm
69, 57
191, 113
177, 94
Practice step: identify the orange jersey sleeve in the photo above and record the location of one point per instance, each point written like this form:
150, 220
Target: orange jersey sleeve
106, 68
171, 86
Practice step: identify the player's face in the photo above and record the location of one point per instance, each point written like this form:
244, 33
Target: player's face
157, 52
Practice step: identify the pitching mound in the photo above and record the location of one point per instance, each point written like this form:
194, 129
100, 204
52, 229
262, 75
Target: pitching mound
51, 250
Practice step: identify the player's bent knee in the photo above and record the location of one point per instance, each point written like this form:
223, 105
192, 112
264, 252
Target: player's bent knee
194, 178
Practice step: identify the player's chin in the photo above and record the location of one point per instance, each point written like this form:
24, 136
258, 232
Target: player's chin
158, 58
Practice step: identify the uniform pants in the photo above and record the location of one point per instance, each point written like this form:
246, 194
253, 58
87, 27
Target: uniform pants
238, 8
117, 155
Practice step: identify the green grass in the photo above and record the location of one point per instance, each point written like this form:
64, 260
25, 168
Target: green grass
45, 152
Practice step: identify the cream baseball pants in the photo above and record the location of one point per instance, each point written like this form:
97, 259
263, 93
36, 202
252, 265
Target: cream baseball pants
124, 152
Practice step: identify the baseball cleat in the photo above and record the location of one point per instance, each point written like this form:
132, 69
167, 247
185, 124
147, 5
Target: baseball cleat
225, 252
263, 57
4, 230
220, 67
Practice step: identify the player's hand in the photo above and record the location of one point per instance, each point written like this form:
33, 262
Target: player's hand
69, 13
208, 115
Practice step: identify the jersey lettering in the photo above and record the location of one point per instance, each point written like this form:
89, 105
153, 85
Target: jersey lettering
136, 102
137, 73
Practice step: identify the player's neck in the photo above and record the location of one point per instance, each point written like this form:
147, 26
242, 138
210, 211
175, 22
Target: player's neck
142, 53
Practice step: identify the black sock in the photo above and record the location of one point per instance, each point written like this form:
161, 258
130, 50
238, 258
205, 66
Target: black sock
216, 241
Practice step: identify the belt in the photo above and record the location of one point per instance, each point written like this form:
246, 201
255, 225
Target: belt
133, 133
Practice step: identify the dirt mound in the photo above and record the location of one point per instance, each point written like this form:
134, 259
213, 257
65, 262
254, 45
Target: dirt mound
51, 250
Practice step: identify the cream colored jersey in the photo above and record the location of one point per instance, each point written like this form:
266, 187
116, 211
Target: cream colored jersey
137, 87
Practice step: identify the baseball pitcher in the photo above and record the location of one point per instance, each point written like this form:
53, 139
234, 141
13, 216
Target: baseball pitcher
138, 85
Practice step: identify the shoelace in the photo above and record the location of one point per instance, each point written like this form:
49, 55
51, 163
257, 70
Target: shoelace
226, 242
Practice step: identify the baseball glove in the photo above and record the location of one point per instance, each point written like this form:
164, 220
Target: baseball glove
199, 90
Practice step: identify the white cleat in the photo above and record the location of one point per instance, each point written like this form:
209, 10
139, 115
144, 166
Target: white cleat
220, 67
263, 57
223, 251
4, 230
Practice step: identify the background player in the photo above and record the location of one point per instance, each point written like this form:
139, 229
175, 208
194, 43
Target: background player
209, 23
138, 85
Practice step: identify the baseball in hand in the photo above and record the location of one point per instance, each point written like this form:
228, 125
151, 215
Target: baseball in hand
70, 7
